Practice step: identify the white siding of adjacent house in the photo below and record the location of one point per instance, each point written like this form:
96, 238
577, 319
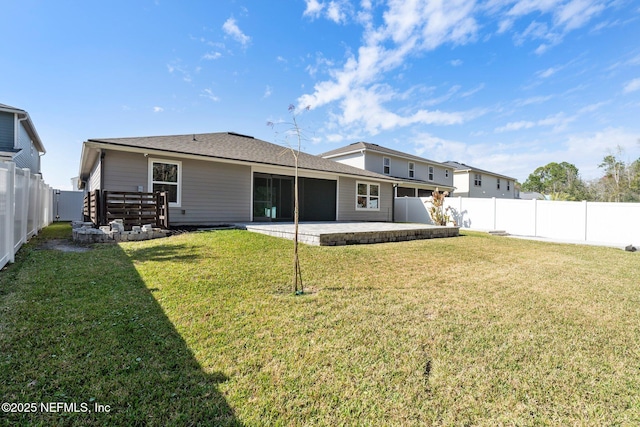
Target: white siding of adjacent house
347, 201
354, 159
461, 182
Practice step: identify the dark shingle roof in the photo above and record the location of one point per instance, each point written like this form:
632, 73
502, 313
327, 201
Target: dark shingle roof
233, 146
9, 107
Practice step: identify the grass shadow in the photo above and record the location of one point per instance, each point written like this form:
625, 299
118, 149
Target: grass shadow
82, 331
159, 253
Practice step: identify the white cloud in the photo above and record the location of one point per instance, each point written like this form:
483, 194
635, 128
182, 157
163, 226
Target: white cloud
409, 28
557, 122
208, 93
231, 29
533, 100
314, 8
177, 68
267, 92
158, 109
456, 62
632, 86
513, 126
545, 74
337, 11
211, 55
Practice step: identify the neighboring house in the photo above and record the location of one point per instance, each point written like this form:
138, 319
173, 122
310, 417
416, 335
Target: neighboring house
19, 141
227, 177
474, 182
416, 176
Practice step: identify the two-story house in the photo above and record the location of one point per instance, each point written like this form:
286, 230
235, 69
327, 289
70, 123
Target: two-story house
417, 176
474, 182
19, 141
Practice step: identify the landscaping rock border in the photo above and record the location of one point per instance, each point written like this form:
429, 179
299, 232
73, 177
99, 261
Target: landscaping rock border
84, 232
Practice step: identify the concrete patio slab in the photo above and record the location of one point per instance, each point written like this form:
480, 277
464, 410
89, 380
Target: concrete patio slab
351, 233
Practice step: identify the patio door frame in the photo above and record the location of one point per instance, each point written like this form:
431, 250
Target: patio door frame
273, 198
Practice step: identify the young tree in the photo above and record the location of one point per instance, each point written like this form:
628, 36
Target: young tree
294, 132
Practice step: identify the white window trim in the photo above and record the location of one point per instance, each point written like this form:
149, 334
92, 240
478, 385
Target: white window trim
498, 183
477, 180
369, 184
446, 173
384, 159
431, 173
508, 185
150, 181
412, 170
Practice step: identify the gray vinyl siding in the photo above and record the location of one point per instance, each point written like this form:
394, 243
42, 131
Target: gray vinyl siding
347, 201
124, 171
7, 122
212, 192
29, 156
373, 162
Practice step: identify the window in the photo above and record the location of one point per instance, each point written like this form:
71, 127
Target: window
165, 175
430, 173
412, 169
477, 181
367, 196
508, 185
386, 165
446, 173
498, 184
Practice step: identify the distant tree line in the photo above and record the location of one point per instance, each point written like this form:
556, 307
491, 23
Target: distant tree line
620, 181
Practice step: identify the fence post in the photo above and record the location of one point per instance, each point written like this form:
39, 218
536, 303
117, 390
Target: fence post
9, 220
101, 207
535, 217
495, 213
586, 231
25, 205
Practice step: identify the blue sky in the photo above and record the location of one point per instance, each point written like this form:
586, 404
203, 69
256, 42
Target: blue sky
504, 85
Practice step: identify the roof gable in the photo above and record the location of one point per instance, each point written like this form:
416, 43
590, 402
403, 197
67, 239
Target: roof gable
367, 146
461, 167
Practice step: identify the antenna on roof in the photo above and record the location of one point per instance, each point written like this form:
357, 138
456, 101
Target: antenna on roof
194, 137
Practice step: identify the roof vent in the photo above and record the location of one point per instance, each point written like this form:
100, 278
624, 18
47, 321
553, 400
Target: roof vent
240, 135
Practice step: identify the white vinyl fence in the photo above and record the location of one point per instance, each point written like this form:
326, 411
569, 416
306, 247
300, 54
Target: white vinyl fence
25, 208
594, 222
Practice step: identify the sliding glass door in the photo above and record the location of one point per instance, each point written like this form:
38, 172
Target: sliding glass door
272, 197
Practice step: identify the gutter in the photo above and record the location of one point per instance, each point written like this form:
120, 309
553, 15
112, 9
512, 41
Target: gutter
31, 130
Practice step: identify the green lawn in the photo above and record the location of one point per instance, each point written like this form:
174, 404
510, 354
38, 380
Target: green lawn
203, 329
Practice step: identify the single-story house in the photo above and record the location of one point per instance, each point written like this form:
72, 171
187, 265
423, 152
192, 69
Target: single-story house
418, 176
228, 177
474, 182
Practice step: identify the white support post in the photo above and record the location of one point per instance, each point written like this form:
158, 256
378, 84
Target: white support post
495, 213
535, 217
586, 231
24, 225
9, 222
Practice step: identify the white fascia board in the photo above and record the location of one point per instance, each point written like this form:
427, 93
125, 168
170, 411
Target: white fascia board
346, 153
